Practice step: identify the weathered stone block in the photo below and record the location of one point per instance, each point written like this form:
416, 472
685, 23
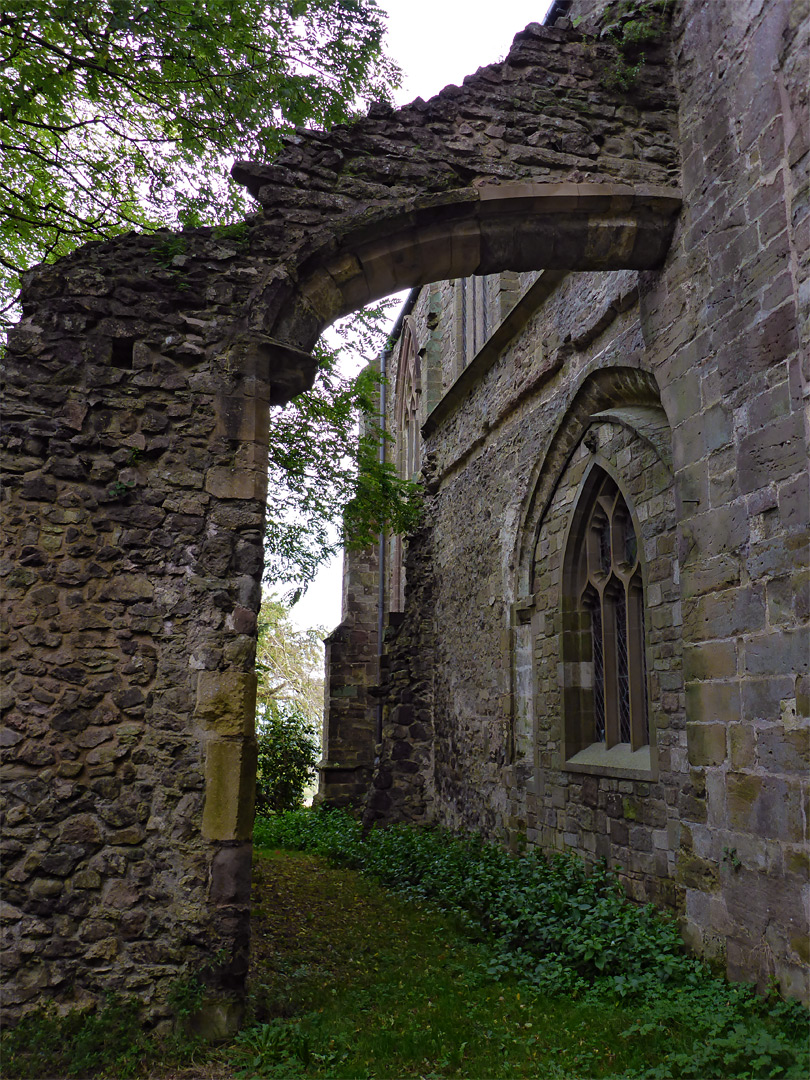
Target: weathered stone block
708, 702
230, 789
766, 806
225, 483
741, 742
725, 614
763, 697
706, 743
231, 875
785, 652
775, 452
226, 701
784, 751
219, 1020
121, 894
128, 588
710, 660
697, 873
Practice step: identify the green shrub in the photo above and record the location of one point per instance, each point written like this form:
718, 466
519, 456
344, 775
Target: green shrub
288, 753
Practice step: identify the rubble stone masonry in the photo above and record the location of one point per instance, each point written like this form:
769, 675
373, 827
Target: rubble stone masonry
137, 408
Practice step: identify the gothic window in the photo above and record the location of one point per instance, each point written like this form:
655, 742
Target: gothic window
408, 442
604, 624
473, 317
408, 407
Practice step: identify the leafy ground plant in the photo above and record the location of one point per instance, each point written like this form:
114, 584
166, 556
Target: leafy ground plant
353, 979
349, 980
106, 1042
554, 928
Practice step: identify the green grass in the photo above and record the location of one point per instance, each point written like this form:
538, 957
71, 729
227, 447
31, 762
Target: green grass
607, 987
354, 982
416, 954
108, 1042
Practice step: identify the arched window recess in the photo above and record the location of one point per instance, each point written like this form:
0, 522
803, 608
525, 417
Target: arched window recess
407, 432
604, 662
407, 408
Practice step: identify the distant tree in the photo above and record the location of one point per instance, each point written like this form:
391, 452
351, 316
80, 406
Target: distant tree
122, 114
289, 707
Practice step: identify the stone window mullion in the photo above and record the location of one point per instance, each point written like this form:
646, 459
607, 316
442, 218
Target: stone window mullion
639, 724
609, 652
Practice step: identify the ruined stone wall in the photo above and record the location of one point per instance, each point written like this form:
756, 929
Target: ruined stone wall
137, 410
718, 830
737, 303
133, 521
352, 671
484, 461
403, 783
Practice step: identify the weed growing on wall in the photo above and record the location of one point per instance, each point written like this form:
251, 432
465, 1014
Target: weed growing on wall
107, 1042
632, 25
561, 928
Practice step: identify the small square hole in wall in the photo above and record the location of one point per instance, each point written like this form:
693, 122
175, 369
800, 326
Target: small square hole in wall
122, 349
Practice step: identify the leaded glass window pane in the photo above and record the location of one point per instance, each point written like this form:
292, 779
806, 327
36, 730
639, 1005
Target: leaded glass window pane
611, 593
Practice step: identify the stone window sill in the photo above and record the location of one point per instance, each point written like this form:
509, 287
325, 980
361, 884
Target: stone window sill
619, 761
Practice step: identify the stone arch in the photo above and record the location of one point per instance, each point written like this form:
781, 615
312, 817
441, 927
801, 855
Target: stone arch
627, 394
494, 227
137, 407
615, 443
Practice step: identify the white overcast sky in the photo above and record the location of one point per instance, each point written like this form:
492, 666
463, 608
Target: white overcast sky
435, 42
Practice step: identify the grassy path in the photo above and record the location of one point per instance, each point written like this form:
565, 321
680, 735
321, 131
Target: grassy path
348, 981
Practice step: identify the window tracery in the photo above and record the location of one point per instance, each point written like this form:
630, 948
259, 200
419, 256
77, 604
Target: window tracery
606, 622
473, 317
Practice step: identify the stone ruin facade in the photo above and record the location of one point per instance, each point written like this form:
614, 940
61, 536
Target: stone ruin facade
557, 417
137, 405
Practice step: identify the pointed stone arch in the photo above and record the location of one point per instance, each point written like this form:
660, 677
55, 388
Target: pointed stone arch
627, 394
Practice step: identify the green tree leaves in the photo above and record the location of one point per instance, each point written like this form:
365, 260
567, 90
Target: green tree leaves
125, 114
121, 114
322, 471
